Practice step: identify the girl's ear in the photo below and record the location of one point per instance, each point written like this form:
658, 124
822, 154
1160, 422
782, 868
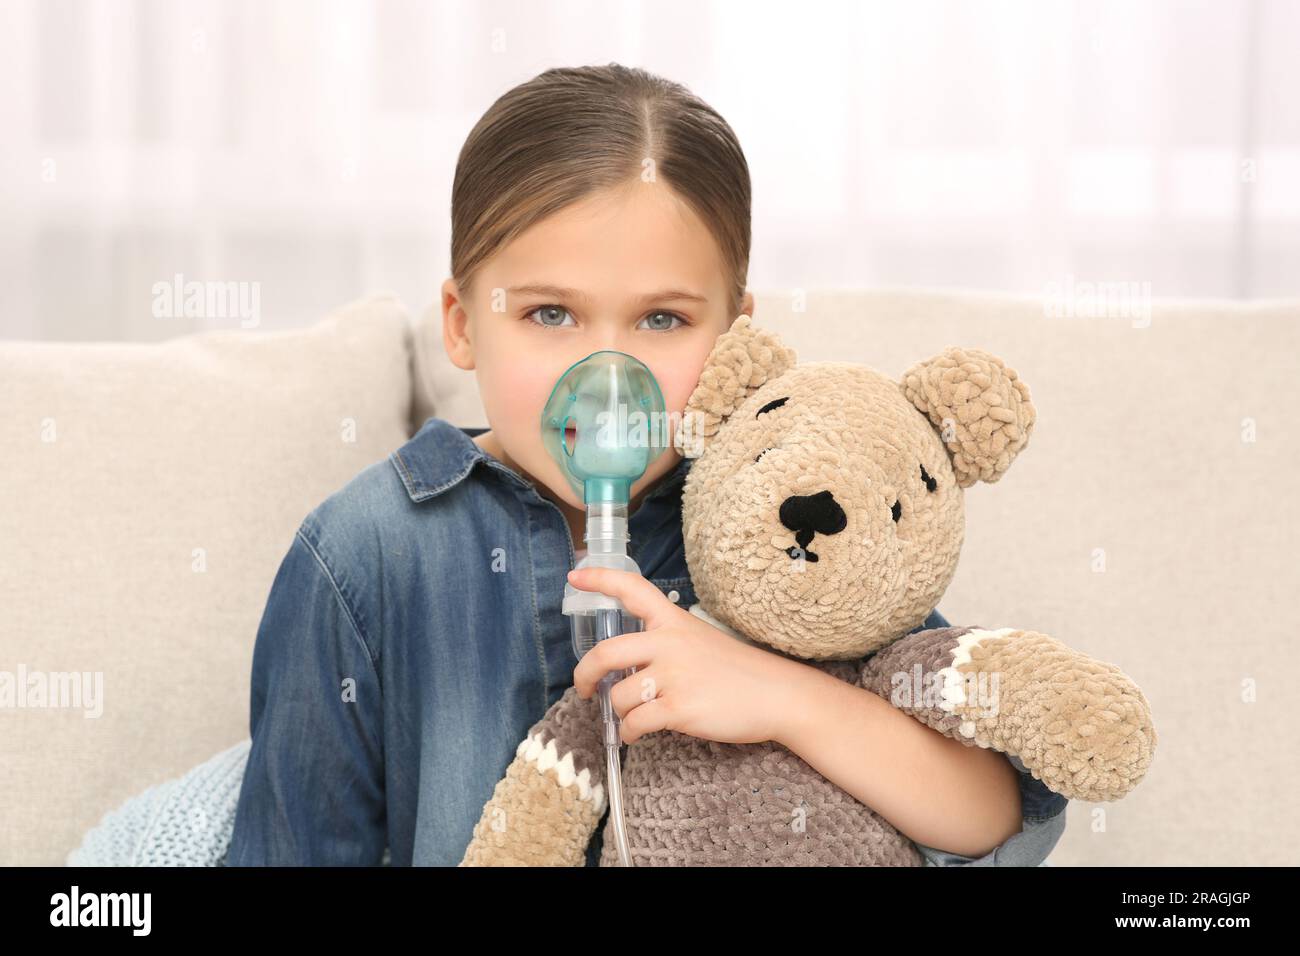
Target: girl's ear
743, 359
979, 406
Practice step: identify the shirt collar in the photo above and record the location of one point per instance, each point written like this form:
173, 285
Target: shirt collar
442, 455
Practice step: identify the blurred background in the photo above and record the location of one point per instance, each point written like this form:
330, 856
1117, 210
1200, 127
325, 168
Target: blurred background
309, 146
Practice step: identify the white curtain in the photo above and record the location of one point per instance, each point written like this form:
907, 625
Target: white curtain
309, 146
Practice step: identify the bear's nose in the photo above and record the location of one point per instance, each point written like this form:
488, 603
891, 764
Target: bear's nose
807, 515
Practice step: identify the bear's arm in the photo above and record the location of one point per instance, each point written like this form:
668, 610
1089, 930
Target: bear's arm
1042, 813
904, 673
1079, 725
546, 808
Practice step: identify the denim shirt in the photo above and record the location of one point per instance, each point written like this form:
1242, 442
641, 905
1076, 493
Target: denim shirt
413, 635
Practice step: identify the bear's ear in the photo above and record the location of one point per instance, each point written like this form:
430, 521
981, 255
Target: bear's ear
980, 407
743, 359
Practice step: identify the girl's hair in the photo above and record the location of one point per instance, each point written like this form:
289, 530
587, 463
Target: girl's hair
570, 132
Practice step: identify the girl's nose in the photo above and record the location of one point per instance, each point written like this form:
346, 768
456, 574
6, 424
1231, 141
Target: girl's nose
606, 343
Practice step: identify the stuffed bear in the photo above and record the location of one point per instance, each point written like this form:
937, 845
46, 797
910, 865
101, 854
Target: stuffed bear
822, 519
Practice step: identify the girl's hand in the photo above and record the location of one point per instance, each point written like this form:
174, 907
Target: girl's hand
691, 677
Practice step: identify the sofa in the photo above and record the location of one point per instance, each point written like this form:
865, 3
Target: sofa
149, 492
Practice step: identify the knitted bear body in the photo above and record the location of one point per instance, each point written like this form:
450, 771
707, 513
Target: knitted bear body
695, 802
690, 801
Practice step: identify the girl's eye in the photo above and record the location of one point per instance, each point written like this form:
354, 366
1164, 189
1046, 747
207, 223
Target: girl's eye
549, 312
552, 317
665, 315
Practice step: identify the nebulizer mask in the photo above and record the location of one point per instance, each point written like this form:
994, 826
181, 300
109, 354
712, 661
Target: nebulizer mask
605, 424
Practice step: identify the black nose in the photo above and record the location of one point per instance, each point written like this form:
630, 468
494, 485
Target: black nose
807, 515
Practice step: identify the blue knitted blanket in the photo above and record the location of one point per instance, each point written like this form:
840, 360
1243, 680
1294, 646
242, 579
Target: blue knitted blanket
186, 821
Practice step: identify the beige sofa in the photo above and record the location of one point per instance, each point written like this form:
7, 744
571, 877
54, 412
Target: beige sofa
149, 492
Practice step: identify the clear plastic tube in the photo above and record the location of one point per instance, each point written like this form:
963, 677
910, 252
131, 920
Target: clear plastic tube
614, 769
589, 628
596, 617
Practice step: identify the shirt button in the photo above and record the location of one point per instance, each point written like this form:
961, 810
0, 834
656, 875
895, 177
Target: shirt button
674, 596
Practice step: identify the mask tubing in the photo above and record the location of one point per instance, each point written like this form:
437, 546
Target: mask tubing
609, 621
614, 773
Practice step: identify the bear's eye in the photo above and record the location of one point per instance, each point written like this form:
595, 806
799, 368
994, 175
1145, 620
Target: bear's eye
930, 483
774, 403
897, 511
762, 453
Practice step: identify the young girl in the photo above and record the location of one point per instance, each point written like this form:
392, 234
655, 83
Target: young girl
413, 633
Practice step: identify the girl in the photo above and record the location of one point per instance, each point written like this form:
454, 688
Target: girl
413, 633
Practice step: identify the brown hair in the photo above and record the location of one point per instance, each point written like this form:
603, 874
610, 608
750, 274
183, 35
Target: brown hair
570, 132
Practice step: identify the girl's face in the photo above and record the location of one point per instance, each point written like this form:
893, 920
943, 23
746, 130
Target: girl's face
631, 269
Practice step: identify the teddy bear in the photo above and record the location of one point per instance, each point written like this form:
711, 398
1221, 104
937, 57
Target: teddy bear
822, 519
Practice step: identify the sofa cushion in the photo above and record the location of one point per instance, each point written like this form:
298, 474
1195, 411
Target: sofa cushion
438, 384
150, 492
